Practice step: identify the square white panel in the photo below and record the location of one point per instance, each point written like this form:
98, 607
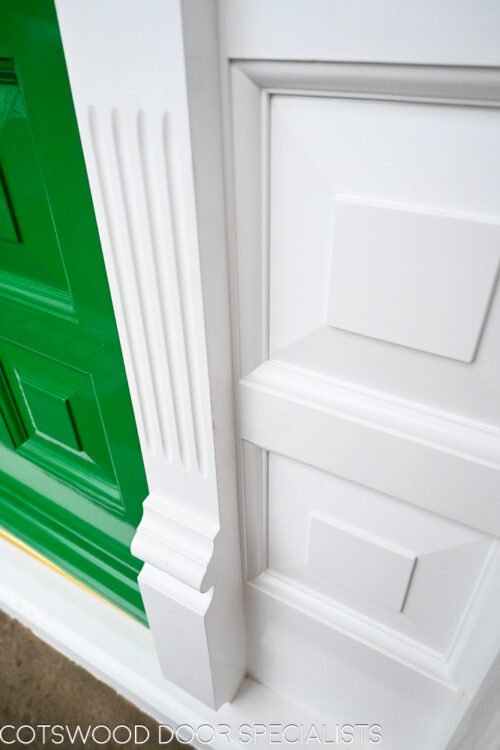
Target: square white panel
384, 246
412, 570
412, 276
367, 566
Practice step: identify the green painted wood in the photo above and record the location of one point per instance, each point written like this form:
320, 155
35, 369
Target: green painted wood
72, 479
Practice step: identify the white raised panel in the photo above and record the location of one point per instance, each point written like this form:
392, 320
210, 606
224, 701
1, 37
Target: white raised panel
364, 565
383, 247
402, 567
411, 275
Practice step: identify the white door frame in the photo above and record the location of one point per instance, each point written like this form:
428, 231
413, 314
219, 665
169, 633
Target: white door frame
152, 142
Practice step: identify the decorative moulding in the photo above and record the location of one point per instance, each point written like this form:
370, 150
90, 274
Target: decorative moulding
161, 225
267, 387
431, 458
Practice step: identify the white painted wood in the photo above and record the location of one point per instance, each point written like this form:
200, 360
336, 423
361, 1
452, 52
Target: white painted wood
363, 565
411, 275
384, 103
391, 443
429, 460
333, 674
325, 147
359, 567
121, 652
480, 724
161, 221
362, 31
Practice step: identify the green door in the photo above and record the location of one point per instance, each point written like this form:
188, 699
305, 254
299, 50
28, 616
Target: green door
71, 474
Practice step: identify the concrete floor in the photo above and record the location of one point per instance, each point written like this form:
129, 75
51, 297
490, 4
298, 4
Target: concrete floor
38, 685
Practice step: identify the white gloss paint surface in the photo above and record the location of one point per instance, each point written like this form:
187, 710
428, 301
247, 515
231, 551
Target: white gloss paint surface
413, 276
359, 141
366, 213
120, 651
161, 224
364, 565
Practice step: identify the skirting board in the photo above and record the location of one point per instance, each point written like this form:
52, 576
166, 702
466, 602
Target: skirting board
119, 651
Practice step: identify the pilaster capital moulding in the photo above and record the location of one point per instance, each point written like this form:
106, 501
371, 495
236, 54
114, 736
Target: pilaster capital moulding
146, 91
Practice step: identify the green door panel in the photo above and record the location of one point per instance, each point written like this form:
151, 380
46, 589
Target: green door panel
72, 479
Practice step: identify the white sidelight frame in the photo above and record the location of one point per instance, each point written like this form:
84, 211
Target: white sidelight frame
152, 143
145, 82
472, 667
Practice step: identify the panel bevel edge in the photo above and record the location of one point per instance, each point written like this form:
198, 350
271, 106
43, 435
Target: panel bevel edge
266, 220
249, 157
255, 497
40, 297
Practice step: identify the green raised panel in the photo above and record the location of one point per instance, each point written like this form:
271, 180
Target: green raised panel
57, 411
71, 474
32, 266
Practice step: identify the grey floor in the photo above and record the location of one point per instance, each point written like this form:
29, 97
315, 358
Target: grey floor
38, 685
